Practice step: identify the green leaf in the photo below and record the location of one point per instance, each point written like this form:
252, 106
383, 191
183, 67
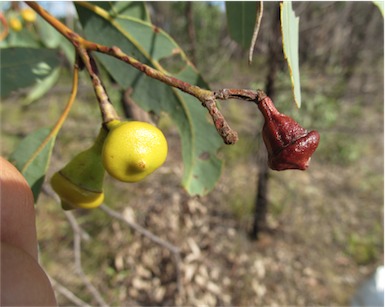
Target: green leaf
31, 157
150, 45
134, 9
42, 87
23, 38
290, 36
52, 39
241, 18
380, 5
23, 67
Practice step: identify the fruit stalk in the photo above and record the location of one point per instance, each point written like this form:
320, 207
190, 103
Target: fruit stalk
106, 108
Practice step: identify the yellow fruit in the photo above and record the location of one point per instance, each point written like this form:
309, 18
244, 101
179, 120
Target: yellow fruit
80, 183
28, 15
15, 24
133, 150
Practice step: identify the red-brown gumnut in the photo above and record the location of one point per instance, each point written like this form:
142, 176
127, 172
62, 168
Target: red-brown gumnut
289, 146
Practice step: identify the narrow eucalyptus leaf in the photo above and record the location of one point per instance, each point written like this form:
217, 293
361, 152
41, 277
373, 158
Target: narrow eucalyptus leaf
290, 38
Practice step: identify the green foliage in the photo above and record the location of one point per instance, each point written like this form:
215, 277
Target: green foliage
210, 48
149, 45
42, 87
241, 17
290, 37
134, 9
32, 157
23, 67
50, 38
37, 45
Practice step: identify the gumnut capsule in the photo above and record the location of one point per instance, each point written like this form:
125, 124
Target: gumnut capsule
289, 146
80, 183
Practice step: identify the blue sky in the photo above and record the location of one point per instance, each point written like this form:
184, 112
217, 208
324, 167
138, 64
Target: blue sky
65, 8
59, 8
56, 8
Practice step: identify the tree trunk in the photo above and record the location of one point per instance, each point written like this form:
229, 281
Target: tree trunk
261, 201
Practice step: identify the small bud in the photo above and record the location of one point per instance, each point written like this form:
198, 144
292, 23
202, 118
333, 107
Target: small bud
15, 24
28, 15
289, 146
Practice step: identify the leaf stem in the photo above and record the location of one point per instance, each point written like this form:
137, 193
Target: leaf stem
106, 108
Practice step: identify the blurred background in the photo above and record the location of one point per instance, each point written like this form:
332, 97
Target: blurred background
260, 237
